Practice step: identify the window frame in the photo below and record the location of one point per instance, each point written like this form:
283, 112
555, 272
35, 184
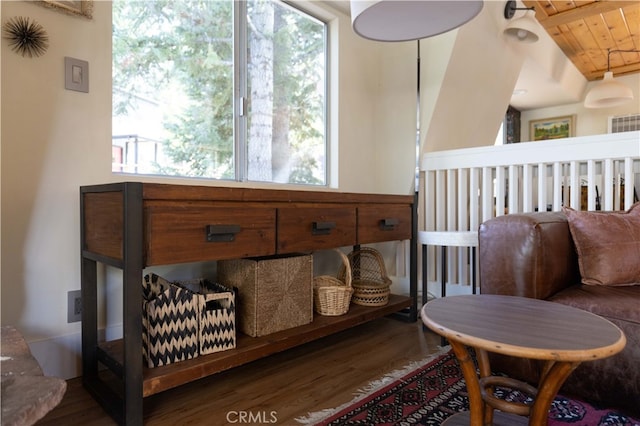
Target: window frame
241, 99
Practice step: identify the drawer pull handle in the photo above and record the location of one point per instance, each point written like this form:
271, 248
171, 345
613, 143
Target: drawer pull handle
322, 228
388, 224
221, 233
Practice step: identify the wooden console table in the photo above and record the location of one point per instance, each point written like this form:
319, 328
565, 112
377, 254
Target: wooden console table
135, 225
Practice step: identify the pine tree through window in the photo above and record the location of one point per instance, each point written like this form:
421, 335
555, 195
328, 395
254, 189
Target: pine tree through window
196, 96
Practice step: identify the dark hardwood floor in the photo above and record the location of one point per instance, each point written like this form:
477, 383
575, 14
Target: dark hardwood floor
277, 389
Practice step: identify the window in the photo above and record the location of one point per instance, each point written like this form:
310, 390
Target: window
219, 90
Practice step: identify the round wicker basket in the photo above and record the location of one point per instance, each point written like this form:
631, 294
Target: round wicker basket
370, 281
332, 295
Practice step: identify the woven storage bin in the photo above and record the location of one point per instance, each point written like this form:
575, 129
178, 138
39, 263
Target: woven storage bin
370, 281
274, 293
216, 315
169, 322
332, 295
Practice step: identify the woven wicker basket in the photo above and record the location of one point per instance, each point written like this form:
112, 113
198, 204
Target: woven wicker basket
369, 277
274, 293
331, 295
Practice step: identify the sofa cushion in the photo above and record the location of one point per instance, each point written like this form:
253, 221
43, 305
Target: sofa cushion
608, 245
612, 381
620, 303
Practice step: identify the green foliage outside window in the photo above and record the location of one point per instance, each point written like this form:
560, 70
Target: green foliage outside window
174, 88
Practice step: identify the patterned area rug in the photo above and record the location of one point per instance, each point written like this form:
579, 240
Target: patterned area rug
428, 393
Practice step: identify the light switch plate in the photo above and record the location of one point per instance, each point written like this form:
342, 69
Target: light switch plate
76, 75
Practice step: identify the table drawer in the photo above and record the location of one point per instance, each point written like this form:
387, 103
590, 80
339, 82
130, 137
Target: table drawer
192, 233
383, 222
304, 229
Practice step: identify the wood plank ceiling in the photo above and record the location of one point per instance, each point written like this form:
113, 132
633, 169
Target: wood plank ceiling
584, 30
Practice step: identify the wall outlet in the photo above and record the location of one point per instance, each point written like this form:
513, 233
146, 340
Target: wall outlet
74, 306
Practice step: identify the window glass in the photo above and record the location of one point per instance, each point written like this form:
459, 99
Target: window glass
285, 72
173, 91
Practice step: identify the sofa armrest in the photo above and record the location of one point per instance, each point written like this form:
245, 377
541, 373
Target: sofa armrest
527, 254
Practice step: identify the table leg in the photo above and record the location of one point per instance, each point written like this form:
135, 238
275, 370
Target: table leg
554, 375
443, 282
474, 279
425, 275
476, 404
443, 277
485, 371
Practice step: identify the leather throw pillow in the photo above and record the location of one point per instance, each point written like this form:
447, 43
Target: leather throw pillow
608, 245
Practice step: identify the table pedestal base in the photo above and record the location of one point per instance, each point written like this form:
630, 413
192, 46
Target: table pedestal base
483, 405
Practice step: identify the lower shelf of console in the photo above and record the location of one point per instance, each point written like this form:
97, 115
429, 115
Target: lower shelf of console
249, 349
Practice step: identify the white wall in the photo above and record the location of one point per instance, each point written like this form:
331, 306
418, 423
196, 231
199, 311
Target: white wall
588, 121
395, 129
476, 85
55, 140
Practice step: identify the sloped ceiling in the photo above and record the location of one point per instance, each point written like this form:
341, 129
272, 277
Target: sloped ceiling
586, 30
582, 30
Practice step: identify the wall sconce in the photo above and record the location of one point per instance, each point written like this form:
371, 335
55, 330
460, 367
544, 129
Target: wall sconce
609, 92
523, 29
399, 20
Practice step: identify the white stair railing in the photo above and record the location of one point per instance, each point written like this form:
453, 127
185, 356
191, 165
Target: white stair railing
460, 189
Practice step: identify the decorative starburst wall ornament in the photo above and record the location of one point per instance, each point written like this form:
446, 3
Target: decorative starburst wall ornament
28, 38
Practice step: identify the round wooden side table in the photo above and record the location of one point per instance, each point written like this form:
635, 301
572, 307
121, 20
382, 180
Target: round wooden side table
560, 335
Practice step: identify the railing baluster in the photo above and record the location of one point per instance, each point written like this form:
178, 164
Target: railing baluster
500, 192
487, 193
465, 187
462, 222
513, 189
474, 203
560, 187
441, 202
574, 184
608, 186
451, 222
430, 199
628, 183
542, 187
527, 188
591, 185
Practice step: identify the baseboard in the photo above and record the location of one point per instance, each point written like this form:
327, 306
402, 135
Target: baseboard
62, 356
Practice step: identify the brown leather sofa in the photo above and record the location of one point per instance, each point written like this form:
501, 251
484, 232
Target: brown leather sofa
533, 255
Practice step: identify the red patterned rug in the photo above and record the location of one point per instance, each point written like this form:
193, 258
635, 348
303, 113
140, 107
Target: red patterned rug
430, 393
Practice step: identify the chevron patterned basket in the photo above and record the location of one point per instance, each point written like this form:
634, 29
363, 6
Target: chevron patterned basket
217, 315
169, 322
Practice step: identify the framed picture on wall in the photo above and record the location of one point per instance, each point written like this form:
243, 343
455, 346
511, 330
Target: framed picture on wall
82, 8
552, 128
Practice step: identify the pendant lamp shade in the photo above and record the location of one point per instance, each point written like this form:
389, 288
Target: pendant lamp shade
523, 29
608, 93
400, 20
